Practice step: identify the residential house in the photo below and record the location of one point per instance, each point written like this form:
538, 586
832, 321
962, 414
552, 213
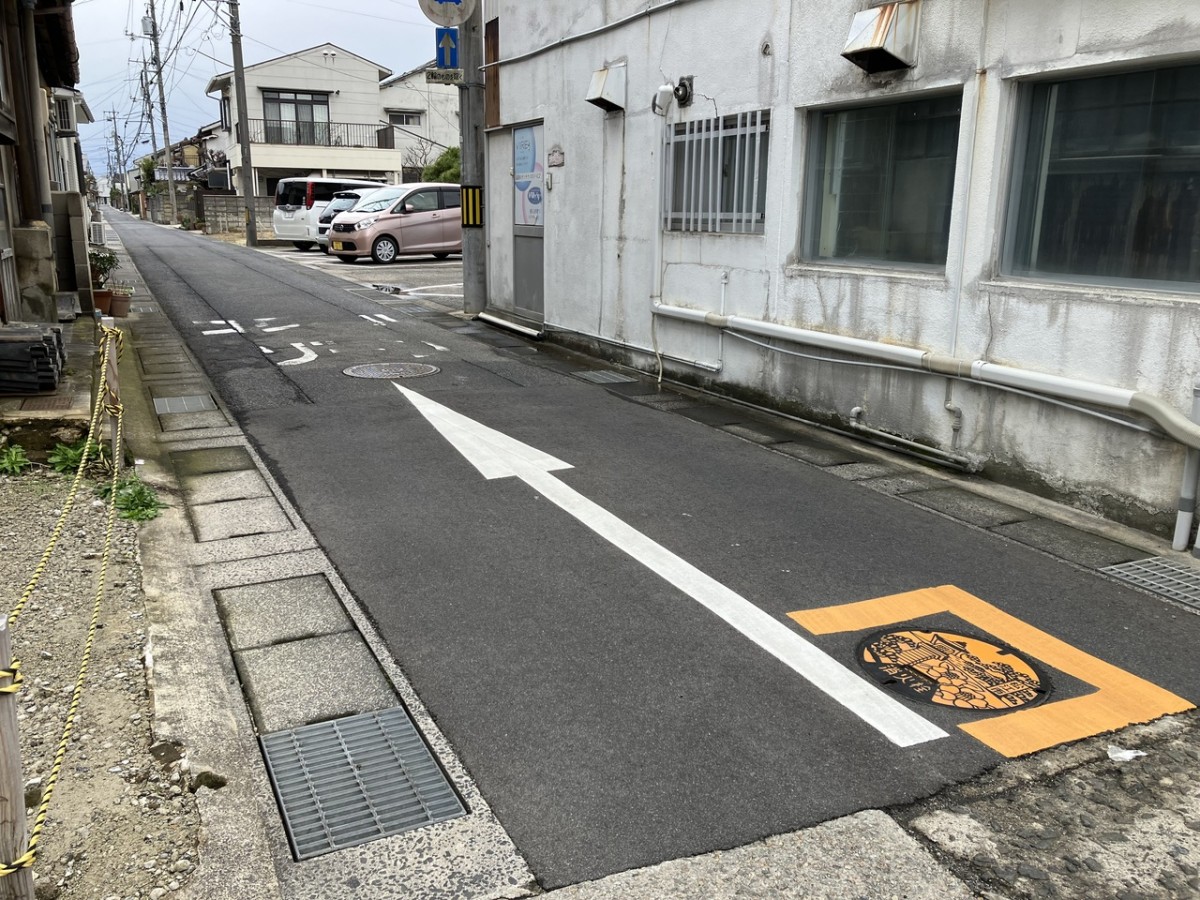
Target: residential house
424, 117
323, 111
969, 230
39, 165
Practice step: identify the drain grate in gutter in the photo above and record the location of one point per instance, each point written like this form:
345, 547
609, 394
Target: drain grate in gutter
1161, 576
353, 780
605, 377
196, 403
391, 370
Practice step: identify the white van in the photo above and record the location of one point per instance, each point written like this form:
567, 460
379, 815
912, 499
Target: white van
298, 205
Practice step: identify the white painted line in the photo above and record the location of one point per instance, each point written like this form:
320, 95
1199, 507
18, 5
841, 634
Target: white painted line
433, 287
370, 319
275, 328
263, 320
220, 331
236, 327
431, 296
316, 343
306, 356
435, 346
496, 455
266, 350
386, 318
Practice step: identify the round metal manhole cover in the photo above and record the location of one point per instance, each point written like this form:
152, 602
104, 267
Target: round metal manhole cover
949, 669
391, 370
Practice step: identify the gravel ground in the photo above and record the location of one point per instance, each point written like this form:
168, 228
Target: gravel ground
122, 824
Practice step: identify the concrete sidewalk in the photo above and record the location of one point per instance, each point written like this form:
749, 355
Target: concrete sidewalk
245, 608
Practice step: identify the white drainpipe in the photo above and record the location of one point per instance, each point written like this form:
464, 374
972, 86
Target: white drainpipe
1169, 419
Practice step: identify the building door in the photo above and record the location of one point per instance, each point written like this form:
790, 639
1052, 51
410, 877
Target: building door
529, 223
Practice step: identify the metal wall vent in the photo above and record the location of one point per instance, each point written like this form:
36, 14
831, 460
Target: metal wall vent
1161, 576
391, 370
353, 780
605, 377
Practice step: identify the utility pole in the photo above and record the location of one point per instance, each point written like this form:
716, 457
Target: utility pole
162, 105
243, 124
149, 111
14, 839
471, 120
145, 204
118, 156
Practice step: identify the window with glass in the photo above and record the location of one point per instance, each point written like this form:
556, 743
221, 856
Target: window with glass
716, 174
298, 118
1107, 179
405, 119
881, 182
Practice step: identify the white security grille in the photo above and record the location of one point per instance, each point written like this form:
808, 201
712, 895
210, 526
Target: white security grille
715, 173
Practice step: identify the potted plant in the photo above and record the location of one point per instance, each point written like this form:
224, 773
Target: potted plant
122, 297
102, 262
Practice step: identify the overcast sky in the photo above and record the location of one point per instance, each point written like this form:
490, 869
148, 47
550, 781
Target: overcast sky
194, 38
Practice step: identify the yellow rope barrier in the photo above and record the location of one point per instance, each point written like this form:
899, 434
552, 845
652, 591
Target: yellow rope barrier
115, 409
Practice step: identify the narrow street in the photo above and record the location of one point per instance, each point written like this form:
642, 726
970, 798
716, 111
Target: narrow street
639, 617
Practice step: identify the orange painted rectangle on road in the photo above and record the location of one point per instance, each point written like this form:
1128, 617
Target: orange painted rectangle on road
1120, 699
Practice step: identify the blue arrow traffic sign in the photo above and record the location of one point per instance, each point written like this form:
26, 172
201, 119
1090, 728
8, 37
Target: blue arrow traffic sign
446, 40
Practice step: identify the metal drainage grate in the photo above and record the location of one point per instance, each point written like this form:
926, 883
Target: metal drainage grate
391, 370
1161, 576
605, 377
39, 404
354, 780
196, 403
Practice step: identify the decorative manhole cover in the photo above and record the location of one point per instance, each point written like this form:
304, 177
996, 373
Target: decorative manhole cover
949, 669
391, 370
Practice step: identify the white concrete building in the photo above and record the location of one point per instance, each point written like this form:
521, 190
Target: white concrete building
319, 111
1012, 196
423, 115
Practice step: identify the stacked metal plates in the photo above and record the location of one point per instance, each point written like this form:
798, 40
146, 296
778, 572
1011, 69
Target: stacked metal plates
32, 358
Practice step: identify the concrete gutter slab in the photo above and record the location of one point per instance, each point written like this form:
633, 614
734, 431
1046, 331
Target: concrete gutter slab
275, 612
969, 507
1069, 543
225, 486
238, 518
817, 453
864, 855
312, 680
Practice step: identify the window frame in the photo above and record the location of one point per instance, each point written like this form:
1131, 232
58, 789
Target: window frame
1024, 109
294, 131
814, 174
702, 144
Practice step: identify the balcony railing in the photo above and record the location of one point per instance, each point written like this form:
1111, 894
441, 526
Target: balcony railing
321, 134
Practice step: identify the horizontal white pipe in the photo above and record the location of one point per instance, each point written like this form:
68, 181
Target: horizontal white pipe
1173, 422
505, 323
1055, 385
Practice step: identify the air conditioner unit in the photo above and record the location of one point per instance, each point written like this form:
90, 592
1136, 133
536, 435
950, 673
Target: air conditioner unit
64, 113
97, 234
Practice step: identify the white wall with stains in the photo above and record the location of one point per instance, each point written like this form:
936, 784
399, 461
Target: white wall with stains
603, 250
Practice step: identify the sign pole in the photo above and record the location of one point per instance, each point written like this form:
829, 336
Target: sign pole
471, 116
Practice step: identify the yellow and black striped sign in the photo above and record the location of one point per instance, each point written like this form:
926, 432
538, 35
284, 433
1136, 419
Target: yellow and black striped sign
472, 206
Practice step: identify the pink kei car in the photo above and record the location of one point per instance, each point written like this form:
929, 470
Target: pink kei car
400, 221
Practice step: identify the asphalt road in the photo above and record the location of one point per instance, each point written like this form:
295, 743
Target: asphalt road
608, 715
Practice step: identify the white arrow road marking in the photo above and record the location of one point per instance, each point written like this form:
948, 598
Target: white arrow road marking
306, 356
434, 346
497, 455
